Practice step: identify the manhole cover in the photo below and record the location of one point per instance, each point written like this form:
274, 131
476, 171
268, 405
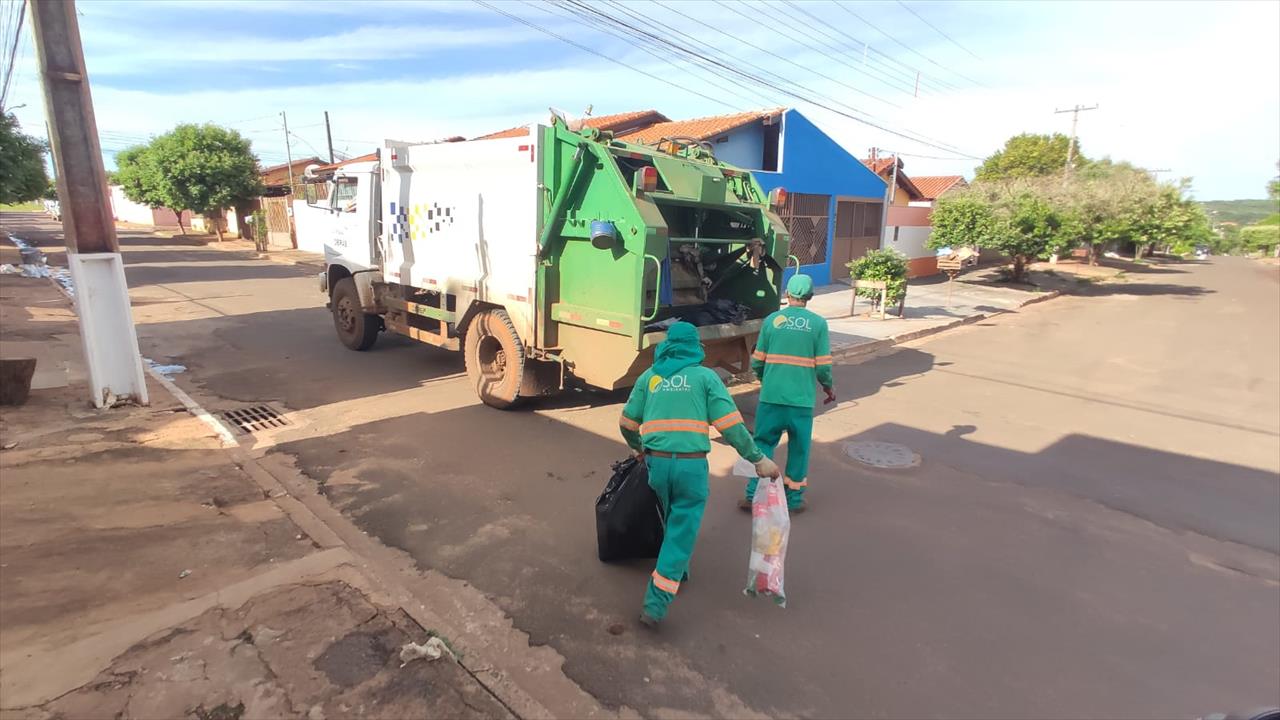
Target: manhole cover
881, 454
254, 418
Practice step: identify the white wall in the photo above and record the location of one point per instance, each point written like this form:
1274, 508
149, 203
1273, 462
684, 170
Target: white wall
910, 240
313, 226
126, 210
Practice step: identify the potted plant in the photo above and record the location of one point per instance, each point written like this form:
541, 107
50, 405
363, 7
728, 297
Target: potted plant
887, 265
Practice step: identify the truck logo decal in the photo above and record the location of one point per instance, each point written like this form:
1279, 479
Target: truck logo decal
428, 219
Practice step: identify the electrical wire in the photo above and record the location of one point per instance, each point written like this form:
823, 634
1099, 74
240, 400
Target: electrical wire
596, 23
845, 7
937, 30
821, 45
13, 54
817, 102
920, 80
586, 49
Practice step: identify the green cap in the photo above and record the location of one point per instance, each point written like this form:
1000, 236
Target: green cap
800, 287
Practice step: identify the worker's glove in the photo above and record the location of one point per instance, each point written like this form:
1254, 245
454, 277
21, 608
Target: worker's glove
831, 395
767, 468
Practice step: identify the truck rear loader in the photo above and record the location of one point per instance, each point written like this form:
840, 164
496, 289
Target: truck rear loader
555, 255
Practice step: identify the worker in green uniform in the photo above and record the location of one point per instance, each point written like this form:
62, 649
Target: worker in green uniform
667, 420
792, 358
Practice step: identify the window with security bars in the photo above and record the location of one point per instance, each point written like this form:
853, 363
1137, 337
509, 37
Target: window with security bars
807, 217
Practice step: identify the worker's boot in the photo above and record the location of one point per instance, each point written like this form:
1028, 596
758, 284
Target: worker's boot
648, 621
744, 504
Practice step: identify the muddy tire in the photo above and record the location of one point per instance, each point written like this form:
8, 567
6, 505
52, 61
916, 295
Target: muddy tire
357, 329
495, 359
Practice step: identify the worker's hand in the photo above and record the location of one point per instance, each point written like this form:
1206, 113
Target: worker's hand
831, 395
639, 455
767, 468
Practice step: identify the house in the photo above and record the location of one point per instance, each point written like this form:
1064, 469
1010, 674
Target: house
911, 202
278, 175
618, 124
935, 186
834, 203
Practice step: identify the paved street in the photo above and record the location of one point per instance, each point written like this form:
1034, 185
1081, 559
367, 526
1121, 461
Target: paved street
1094, 528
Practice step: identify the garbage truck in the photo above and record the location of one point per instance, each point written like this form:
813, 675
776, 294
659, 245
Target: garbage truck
552, 257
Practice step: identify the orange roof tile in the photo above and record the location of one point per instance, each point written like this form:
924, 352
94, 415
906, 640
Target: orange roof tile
883, 167
700, 128
626, 121
932, 186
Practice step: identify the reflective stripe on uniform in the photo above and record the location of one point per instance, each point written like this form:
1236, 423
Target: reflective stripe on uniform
628, 423
822, 360
665, 584
779, 359
675, 425
792, 484
759, 355
727, 421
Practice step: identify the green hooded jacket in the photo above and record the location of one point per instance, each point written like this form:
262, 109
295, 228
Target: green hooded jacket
675, 403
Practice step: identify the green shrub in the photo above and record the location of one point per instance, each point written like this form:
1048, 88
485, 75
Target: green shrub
887, 265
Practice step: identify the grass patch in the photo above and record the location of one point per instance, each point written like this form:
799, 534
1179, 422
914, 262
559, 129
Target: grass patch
23, 207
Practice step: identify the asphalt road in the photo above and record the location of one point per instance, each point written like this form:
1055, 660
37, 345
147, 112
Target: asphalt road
1093, 531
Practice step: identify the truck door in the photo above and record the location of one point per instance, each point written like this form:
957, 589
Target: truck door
351, 201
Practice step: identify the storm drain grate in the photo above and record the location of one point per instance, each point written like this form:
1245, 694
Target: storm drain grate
254, 418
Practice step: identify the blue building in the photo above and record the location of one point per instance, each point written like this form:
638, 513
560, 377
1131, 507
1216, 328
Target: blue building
834, 205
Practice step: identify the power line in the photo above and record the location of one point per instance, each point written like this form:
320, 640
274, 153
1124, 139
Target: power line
798, 26
935, 29
586, 49
784, 59
13, 53
821, 28
791, 93
928, 59
594, 22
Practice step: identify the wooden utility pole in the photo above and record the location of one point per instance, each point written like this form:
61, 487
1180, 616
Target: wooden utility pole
87, 220
93, 252
328, 135
288, 151
1075, 118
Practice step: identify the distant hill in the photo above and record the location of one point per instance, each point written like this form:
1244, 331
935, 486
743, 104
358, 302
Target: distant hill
1241, 212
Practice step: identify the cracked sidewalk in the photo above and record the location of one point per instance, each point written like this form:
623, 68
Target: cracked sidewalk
144, 572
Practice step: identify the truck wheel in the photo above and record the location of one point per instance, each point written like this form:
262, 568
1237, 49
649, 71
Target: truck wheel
495, 359
356, 329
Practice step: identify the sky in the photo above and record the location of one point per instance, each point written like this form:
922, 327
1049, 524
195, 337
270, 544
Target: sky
1186, 88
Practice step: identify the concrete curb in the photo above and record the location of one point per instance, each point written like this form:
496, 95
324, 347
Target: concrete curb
854, 351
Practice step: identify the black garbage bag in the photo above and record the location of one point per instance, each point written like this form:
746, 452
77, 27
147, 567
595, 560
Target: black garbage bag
628, 517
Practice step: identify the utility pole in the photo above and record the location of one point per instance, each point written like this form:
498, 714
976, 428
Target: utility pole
1075, 118
328, 135
288, 152
93, 252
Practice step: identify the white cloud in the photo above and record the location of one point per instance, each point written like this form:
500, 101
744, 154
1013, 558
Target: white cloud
1193, 88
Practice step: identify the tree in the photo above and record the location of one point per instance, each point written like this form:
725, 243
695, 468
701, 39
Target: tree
202, 168
962, 220
1273, 187
24, 178
1030, 155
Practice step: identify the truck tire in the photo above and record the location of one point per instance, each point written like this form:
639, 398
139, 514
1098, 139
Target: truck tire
357, 330
495, 359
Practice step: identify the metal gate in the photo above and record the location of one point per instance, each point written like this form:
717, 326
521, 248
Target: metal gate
279, 227
857, 232
807, 217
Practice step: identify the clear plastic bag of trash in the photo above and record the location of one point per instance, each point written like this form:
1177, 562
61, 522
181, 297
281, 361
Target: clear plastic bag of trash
770, 528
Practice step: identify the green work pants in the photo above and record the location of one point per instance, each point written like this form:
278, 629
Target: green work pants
681, 486
797, 422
